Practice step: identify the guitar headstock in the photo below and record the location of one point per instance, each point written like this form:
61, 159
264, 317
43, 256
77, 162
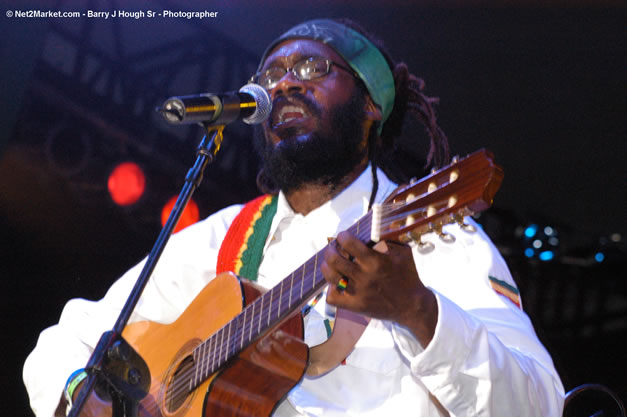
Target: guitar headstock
464, 187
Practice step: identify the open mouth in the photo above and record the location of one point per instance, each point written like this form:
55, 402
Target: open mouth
290, 112
286, 112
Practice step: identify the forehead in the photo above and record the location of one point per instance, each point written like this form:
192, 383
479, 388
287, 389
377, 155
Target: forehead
292, 50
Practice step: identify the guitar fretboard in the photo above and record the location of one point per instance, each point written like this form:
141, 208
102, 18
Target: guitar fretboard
265, 312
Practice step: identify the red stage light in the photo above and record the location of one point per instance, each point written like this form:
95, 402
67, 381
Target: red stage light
126, 183
189, 216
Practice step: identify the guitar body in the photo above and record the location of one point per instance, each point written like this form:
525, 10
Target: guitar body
251, 384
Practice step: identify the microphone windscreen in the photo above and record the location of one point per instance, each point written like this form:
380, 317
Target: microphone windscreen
262, 100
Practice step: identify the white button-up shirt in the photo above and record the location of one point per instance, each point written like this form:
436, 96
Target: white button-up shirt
484, 359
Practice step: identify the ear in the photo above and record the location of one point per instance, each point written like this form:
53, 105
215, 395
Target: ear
372, 110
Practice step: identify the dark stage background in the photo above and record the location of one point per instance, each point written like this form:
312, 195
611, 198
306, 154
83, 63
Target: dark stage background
542, 86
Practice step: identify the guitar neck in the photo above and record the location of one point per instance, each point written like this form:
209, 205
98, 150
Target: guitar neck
266, 312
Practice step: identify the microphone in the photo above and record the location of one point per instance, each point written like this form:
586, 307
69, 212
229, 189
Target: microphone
251, 104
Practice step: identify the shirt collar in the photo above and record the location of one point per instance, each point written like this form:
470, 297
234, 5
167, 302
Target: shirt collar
345, 208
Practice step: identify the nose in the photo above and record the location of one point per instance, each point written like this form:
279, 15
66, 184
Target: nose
288, 84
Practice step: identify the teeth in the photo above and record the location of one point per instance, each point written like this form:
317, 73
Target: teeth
293, 111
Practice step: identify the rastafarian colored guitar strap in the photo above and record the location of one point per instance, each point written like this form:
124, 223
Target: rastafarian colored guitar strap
242, 248
241, 253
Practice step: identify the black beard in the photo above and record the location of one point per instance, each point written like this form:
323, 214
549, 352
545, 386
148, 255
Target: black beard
318, 157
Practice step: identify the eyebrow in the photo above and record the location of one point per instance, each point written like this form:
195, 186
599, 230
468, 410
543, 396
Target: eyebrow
296, 57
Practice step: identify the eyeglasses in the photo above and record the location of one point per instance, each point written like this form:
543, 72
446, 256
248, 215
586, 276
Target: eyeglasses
308, 69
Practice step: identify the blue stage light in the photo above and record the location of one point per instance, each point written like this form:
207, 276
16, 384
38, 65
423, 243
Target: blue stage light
531, 230
547, 255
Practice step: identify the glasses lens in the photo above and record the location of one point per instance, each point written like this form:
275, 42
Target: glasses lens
311, 68
270, 77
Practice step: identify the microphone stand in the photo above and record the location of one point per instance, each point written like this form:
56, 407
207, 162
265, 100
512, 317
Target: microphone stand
115, 371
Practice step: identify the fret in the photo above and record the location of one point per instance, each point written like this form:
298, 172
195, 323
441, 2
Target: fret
228, 342
241, 344
211, 350
217, 350
315, 266
302, 283
195, 355
214, 353
270, 306
278, 310
210, 356
260, 314
289, 304
197, 361
220, 347
252, 321
368, 232
204, 359
206, 348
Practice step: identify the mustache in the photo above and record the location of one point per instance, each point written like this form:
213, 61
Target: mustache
296, 99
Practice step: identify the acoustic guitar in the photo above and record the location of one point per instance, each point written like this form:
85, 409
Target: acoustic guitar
238, 351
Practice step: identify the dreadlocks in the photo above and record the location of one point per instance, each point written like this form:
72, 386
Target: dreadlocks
395, 154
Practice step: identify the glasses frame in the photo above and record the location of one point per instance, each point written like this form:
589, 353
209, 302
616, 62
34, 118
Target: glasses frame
255, 77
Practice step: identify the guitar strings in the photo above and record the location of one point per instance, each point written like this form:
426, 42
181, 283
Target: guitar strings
205, 364
212, 359
205, 356
181, 385
261, 300
207, 360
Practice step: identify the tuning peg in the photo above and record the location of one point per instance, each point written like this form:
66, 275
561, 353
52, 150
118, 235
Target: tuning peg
468, 228
423, 247
444, 237
405, 238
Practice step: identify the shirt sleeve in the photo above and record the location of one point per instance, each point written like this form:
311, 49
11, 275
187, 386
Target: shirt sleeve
485, 358
186, 266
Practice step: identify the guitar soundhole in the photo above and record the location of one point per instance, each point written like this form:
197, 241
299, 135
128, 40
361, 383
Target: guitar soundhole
177, 392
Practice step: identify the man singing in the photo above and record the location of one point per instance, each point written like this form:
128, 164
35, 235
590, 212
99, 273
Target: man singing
438, 339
